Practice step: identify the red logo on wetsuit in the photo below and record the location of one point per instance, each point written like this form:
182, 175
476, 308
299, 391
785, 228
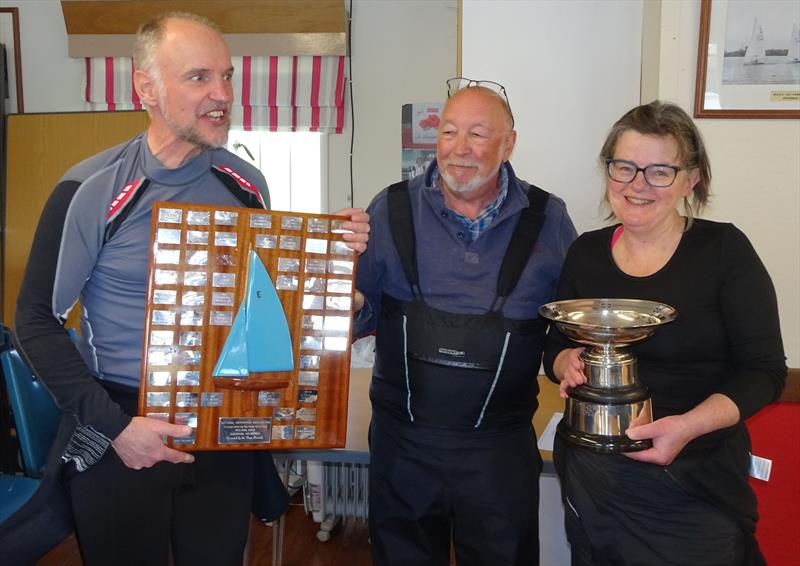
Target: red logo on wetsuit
244, 183
119, 201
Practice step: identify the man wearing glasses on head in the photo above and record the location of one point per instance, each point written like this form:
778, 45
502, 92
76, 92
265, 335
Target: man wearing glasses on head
460, 259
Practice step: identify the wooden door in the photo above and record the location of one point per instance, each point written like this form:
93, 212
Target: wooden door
40, 148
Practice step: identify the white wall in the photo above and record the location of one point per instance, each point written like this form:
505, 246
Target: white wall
755, 166
51, 81
402, 51
570, 70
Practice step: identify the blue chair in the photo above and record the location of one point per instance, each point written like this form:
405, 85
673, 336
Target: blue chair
36, 419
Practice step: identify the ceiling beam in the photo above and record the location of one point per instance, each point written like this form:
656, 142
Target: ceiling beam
251, 27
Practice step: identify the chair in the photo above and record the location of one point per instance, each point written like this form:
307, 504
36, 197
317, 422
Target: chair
774, 431
36, 419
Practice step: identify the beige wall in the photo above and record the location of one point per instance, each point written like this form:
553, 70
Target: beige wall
755, 165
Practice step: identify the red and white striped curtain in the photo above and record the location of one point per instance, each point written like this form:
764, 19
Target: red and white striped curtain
108, 84
290, 94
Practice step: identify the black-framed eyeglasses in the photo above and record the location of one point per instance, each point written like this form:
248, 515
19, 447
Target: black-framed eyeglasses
656, 174
458, 83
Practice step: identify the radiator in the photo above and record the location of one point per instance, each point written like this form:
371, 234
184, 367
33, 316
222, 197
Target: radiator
335, 491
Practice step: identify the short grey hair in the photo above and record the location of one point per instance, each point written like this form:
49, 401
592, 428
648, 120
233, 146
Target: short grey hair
151, 33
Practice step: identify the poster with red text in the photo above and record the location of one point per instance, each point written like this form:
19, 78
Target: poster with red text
420, 127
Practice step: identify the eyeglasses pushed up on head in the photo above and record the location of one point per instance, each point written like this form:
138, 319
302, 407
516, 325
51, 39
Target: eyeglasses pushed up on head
458, 83
656, 175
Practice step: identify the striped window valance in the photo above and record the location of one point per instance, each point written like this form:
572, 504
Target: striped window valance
300, 93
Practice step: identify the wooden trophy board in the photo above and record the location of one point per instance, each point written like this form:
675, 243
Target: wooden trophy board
200, 278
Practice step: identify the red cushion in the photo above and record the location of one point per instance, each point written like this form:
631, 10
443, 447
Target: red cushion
775, 433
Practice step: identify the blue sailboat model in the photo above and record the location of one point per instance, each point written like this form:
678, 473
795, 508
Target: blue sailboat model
259, 340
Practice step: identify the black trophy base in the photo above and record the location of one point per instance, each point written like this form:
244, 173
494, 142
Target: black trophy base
601, 443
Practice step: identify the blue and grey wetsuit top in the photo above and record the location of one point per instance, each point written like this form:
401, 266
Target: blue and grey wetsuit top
92, 245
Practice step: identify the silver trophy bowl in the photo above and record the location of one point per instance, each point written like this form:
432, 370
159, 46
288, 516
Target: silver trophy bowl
598, 413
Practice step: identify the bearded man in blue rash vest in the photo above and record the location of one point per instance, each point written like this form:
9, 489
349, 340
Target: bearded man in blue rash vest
134, 500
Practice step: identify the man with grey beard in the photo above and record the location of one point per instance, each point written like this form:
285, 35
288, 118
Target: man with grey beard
135, 500
460, 259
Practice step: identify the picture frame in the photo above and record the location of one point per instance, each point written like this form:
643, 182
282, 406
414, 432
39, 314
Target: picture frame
748, 65
9, 33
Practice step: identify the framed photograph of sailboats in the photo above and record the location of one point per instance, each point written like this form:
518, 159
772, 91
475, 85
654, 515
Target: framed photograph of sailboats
748, 59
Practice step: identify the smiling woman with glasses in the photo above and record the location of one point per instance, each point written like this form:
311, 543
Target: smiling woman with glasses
666, 121
687, 499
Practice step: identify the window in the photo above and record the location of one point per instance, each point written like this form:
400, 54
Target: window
290, 161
